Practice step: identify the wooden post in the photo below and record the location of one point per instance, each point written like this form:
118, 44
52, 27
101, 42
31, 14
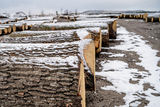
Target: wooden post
99, 42
89, 55
146, 19
0, 31
81, 85
152, 19
120, 16
145, 16
112, 29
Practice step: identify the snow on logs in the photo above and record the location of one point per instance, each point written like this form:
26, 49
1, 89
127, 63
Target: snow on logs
65, 18
62, 63
62, 69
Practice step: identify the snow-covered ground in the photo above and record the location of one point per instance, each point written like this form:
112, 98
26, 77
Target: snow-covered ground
119, 73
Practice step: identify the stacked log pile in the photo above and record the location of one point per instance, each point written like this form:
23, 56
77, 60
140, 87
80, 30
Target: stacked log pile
153, 18
12, 24
65, 18
133, 16
59, 81
145, 17
51, 68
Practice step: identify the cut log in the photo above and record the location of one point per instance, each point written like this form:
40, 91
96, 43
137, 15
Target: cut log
13, 28
127, 16
112, 30
155, 19
20, 27
145, 16
25, 26
132, 16
123, 15
4, 30
148, 19
0, 32
120, 15
96, 36
29, 27
105, 39
8, 27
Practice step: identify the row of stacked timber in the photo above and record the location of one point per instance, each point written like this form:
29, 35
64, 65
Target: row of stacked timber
133, 16
152, 19
13, 27
66, 18
11, 24
144, 16
51, 68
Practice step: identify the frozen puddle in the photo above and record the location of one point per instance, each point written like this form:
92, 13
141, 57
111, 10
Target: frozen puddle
119, 73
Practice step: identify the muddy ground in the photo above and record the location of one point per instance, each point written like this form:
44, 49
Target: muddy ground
106, 98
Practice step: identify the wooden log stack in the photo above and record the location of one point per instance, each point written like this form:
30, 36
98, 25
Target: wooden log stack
58, 81
65, 18
50, 68
133, 16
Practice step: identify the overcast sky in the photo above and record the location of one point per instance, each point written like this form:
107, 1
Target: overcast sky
29, 5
